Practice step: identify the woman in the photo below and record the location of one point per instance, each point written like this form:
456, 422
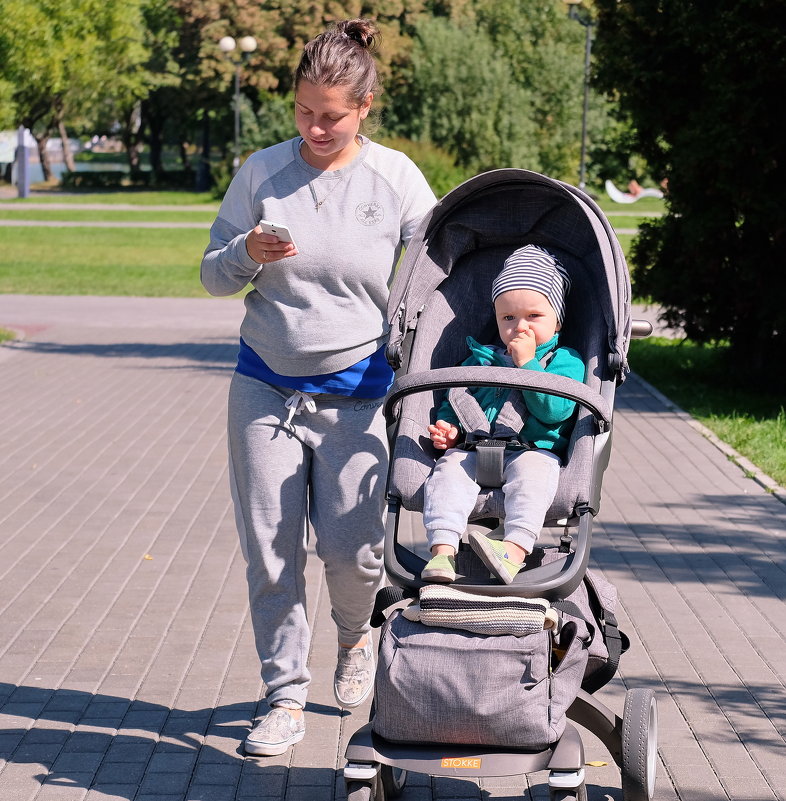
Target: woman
306, 435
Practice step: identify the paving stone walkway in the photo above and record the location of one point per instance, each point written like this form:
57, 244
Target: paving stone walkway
127, 667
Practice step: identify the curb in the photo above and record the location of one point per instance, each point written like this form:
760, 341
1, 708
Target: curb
750, 469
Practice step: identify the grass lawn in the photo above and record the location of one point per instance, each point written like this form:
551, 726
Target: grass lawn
147, 262
139, 214
133, 197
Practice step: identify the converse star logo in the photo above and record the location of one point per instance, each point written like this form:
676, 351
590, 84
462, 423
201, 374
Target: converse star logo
370, 213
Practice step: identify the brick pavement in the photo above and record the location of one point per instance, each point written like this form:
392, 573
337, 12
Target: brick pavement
127, 668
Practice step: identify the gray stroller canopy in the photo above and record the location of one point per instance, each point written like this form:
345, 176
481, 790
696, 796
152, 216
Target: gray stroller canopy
502, 210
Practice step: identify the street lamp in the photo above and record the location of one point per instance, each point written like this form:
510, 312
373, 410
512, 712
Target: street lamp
584, 18
247, 45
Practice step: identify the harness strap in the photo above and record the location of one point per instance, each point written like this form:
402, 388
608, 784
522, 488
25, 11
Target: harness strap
512, 416
469, 413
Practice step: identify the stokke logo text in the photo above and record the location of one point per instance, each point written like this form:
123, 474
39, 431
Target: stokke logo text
468, 763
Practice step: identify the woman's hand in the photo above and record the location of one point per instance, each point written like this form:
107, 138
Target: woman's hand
264, 248
444, 435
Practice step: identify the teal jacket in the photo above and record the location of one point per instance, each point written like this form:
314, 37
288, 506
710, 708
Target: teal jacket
550, 418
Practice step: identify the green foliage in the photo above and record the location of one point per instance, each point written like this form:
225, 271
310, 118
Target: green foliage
471, 107
439, 167
544, 51
58, 55
499, 83
273, 121
702, 91
8, 112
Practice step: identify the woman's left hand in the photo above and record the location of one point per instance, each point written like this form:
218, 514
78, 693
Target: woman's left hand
264, 248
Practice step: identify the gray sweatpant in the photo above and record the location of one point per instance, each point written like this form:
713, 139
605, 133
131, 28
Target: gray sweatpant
329, 470
530, 480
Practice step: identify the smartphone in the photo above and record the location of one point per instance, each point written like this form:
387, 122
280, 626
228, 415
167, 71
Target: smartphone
276, 229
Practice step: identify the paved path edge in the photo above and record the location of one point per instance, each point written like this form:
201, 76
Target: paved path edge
750, 469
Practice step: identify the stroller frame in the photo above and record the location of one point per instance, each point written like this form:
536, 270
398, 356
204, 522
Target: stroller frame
377, 768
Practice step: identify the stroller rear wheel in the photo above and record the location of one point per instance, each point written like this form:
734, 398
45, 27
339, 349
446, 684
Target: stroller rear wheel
393, 780
562, 794
639, 745
360, 791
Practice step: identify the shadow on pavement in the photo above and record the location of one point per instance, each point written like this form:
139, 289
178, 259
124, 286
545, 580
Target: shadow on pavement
128, 748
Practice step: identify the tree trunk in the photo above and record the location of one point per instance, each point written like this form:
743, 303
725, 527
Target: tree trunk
154, 126
43, 155
132, 125
184, 159
203, 179
68, 156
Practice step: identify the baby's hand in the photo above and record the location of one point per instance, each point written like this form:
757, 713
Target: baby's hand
522, 347
444, 435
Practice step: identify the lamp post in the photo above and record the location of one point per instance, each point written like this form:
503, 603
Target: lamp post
584, 18
247, 45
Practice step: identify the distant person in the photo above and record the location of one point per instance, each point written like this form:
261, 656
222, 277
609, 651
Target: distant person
529, 305
307, 438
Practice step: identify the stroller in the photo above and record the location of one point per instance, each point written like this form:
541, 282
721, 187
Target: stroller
437, 299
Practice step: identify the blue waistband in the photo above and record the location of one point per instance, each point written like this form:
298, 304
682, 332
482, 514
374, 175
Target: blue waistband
369, 378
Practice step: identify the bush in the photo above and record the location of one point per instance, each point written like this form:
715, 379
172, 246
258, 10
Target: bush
701, 90
119, 179
439, 167
99, 179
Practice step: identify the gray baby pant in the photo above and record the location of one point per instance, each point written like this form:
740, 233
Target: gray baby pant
328, 468
530, 480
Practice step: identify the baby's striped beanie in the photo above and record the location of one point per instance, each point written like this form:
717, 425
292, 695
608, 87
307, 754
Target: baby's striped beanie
533, 267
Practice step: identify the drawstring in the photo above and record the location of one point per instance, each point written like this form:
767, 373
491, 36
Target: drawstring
295, 403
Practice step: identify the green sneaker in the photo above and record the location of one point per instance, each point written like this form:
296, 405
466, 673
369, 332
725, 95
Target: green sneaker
494, 556
441, 569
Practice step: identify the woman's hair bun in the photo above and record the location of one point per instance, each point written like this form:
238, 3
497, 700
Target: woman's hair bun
362, 31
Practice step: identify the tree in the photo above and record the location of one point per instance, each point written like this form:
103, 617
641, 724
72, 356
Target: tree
703, 86
545, 52
64, 57
472, 107
498, 83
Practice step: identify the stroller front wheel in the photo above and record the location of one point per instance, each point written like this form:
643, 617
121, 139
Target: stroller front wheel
639, 745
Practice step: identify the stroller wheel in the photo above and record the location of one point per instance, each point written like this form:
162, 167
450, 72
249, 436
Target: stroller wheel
360, 791
393, 780
639, 745
562, 794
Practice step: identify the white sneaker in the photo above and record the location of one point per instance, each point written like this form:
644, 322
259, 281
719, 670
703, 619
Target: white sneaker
275, 733
354, 677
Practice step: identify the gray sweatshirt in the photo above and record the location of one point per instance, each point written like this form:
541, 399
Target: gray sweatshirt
324, 309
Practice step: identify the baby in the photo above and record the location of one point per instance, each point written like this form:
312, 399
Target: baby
529, 303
